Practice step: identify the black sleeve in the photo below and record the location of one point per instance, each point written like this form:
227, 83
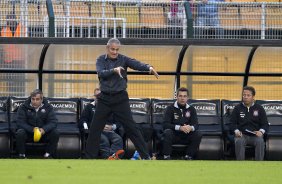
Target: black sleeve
51, 122
234, 119
136, 65
263, 120
22, 120
101, 70
194, 118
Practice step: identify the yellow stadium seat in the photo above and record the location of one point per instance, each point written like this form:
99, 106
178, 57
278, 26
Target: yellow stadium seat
242, 1
268, 1
131, 15
59, 9
34, 16
251, 17
157, 1
152, 17
18, 9
229, 18
6, 8
79, 9
79, 13
60, 14
273, 17
43, 10
100, 9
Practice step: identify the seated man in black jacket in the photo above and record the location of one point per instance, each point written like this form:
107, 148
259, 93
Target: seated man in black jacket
180, 126
111, 144
249, 123
35, 113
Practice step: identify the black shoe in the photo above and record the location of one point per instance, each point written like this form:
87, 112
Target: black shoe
187, 157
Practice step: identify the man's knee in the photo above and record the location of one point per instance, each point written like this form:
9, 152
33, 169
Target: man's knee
259, 141
104, 141
198, 135
21, 134
118, 140
239, 141
168, 134
54, 135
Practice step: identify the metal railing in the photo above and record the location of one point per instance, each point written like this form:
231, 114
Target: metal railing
88, 27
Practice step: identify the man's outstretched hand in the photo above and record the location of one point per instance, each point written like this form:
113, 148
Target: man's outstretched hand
154, 72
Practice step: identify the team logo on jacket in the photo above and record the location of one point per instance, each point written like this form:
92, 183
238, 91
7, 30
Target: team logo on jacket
187, 114
255, 113
242, 114
43, 110
176, 116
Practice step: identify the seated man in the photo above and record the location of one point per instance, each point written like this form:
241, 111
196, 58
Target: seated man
180, 126
249, 123
34, 113
111, 145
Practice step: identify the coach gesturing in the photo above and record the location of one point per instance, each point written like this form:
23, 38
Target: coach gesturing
112, 72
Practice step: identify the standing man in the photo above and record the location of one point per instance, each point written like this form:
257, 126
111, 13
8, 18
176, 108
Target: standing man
35, 113
180, 126
249, 123
112, 72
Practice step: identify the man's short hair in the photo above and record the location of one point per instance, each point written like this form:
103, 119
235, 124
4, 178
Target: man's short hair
251, 89
113, 40
36, 92
182, 89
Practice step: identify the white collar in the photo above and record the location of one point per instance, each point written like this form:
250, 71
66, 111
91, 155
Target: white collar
176, 105
36, 109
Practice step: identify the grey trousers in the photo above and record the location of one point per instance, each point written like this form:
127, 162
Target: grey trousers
242, 142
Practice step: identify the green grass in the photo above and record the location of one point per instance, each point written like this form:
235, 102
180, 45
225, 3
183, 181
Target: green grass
133, 172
